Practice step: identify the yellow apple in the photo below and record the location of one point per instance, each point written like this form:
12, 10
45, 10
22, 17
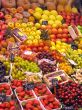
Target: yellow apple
37, 15
38, 32
24, 25
46, 12
54, 12
54, 25
59, 17
52, 48
37, 25
51, 22
29, 42
39, 10
58, 23
44, 17
52, 17
31, 37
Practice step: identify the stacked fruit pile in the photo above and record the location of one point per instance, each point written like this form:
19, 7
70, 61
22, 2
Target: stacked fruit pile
40, 55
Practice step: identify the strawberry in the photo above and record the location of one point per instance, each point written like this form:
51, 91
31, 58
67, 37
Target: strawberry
12, 103
20, 89
13, 108
22, 94
7, 105
1, 109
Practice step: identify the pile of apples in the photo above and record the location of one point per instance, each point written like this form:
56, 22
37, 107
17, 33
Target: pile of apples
59, 46
51, 17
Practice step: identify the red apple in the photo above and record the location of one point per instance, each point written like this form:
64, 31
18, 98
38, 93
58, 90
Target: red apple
1, 15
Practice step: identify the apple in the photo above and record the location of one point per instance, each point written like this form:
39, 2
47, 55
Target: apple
37, 15
39, 10
59, 17
44, 17
37, 25
52, 17
54, 12
51, 22
1, 36
46, 12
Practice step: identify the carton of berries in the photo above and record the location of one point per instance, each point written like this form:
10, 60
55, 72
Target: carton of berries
5, 89
60, 75
41, 90
23, 94
50, 103
33, 104
8, 105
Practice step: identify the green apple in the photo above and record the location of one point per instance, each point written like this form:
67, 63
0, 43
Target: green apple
39, 10
44, 17
37, 15
37, 25
59, 17
52, 17
54, 12
51, 22
46, 12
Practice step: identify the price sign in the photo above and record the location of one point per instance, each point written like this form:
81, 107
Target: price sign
67, 107
12, 57
55, 82
2, 97
29, 86
44, 22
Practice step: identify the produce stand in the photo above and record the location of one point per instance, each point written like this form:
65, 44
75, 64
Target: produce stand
40, 55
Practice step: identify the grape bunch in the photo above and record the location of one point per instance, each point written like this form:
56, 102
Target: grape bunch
20, 66
45, 55
46, 67
7, 66
75, 56
2, 69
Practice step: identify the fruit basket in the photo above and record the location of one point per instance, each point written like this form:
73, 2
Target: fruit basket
23, 94
31, 104
41, 90
50, 103
6, 89
61, 76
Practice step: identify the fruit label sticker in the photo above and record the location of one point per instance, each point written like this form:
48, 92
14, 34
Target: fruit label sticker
44, 22
19, 35
2, 97
28, 86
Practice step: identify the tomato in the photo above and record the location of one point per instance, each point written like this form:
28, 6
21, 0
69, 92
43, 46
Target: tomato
54, 31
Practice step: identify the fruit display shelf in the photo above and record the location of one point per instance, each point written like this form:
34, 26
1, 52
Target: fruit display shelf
40, 55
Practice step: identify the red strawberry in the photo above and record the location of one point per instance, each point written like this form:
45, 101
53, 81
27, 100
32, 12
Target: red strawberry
12, 103
13, 108
1, 109
20, 89
22, 94
7, 105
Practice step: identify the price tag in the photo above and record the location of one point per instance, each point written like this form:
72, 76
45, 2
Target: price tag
12, 57
55, 82
2, 97
19, 35
44, 22
29, 86
67, 107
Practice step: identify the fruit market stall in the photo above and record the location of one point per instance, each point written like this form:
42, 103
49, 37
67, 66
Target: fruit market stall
40, 55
